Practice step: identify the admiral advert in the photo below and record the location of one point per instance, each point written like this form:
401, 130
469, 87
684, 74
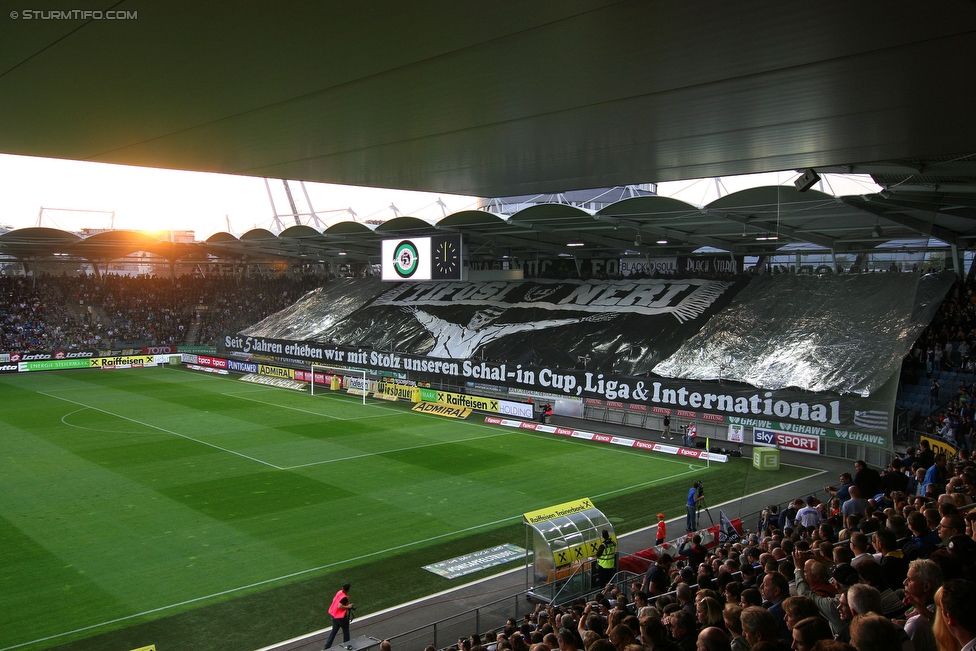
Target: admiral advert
730, 400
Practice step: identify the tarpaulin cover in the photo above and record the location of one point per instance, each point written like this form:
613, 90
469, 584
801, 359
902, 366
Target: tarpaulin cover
846, 334
318, 311
626, 325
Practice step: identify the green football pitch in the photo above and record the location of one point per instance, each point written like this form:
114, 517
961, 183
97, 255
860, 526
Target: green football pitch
193, 511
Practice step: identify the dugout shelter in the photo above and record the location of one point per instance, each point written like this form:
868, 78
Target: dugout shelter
563, 540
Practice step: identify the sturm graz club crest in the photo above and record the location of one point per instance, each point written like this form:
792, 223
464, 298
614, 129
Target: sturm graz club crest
406, 258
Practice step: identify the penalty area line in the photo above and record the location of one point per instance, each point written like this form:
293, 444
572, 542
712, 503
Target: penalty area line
298, 409
164, 430
406, 449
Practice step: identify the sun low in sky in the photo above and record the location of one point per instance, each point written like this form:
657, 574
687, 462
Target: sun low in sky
73, 195
78, 195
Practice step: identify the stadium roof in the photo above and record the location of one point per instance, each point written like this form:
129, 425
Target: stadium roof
512, 98
495, 99
756, 221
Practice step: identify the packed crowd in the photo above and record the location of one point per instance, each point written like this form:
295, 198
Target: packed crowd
888, 561
947, 342
75, 312
947, 345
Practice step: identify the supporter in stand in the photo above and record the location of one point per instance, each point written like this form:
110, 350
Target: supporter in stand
732, 616
78, 312
759, 626
809, 631
797, 608
874, 632
924, 578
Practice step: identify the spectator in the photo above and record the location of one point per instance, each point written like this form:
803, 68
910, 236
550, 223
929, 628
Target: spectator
713, 639
827, 605
891, 603
621, 636
709, 613
759, 626
874, 632
951, 525
657, 580
935, 476
683, 629
924, 539
797, 608
775, 588
654, 635
866, 479
894, 565
924, 578
859, 547
842, 493
958, 617
809, 631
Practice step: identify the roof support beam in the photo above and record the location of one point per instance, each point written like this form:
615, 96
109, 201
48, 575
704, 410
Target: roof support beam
921, 227
773, 227
669, 233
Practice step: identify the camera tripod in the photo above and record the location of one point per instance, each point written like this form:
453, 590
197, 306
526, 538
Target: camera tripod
702, 506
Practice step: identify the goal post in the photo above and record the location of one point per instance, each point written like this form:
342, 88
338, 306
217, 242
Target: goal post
322, 379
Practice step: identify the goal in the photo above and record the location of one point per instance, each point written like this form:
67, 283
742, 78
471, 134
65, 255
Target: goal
326, 378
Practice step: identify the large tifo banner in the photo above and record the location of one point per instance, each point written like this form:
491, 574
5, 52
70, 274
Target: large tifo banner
555, 323
800, 407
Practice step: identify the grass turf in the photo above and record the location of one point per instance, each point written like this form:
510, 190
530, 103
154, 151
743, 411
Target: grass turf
160, 506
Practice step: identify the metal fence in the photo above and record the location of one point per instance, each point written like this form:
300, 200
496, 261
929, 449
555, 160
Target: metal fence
446, 632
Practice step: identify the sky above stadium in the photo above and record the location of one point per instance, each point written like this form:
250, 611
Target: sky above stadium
76, 195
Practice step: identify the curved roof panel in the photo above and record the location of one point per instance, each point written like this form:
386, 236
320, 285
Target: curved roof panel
348, 228
757, 221
218, 238
299, 232
406, 226
258, 234
30, 242
549, 213
647, 207
471, 219
113, 244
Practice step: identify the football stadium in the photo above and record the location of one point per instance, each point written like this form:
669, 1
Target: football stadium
594, 413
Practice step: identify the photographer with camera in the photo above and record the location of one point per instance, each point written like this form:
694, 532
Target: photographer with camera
341, 611
695, 495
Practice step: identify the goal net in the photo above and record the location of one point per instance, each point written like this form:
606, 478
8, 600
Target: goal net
323, 379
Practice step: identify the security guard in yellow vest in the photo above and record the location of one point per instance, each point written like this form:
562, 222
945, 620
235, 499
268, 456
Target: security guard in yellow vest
606, 558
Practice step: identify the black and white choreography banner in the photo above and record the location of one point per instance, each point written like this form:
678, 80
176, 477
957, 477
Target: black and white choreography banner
730, 400
630, 325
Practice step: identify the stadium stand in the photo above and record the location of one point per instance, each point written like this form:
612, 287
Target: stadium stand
793, 555
72, 312
67, 312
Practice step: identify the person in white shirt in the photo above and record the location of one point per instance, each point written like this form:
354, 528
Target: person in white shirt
924, 578
809, 516
859, 545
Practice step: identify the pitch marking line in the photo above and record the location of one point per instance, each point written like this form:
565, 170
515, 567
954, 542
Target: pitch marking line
162, 429
298, 409
343, 398
266, 463
312, 569
382, 452
89, 429
523, 432
482, 425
